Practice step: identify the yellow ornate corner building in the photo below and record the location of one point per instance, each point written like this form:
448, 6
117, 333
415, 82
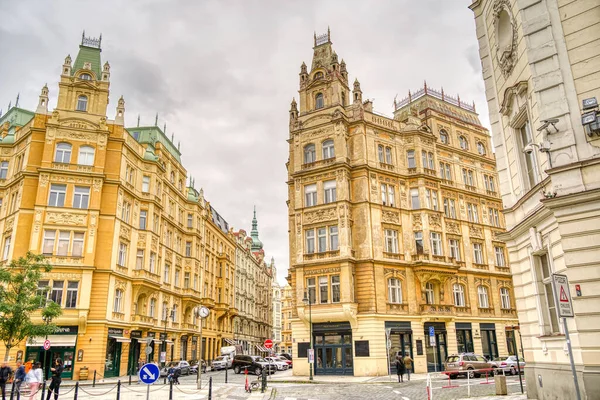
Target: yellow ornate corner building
135, 249
394, 226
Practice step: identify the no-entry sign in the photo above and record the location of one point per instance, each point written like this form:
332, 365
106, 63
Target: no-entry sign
268, 343
562, 296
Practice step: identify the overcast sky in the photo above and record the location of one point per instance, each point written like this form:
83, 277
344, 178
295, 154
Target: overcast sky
222, 74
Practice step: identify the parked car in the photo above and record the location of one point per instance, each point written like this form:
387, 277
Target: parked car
507, 364
465, 363
286, 355
271, 368
280, 364
194, 366
287, 361
242, 362
183, 366
221, 362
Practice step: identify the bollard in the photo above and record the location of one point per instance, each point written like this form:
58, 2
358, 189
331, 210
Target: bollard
210, 388
76, 390
264, 381
12, 390
94, 381
118, 389
225, 372
171, 390
165, 381
500, 382
129, 379
44, 389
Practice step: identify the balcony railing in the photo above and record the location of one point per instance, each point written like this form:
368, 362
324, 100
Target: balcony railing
142, 273
447, 182
492, 193
480, 266
502, 269
144, 319
321, 255
118, 316
396, 308
319, 163
462, 310
393, 256
386, 166
471, 188
487, 311
431, 172
438, 258
420, 257
412, 171
509, 311
436, 309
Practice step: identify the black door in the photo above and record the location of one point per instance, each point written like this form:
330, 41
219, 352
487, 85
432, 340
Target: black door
333, 354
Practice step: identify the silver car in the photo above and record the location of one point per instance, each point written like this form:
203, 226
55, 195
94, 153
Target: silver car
221, 362
508, 365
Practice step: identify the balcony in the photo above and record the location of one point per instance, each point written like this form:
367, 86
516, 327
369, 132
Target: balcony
207, 302
492, 193
146, 275
436, 309
233, 311
393, 256
144, 319
319, 163
59, 165
431, 172
412, 171
420, 257
389, 167
447, 182
186, 325
481, 266
119, 316
438, 258
486, 311
471, 188
509, 311
189, 292
321, 255
394, 308
462, 310
502, 269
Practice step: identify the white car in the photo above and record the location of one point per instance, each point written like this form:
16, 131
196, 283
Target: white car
221, 362
280, 364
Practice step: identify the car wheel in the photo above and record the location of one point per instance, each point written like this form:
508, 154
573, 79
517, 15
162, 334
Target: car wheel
495, 371
257, 371
236, 369
453, 376
471, 373
513, 371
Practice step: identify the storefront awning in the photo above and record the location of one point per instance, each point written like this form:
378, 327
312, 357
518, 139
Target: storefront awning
168, 341
157, 341
121, 339
55, 341
261, 348
230, 341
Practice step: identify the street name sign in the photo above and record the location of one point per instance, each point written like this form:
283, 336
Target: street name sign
562, 296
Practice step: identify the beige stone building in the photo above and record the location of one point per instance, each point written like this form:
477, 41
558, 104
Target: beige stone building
135, 249
286, 320
541, 63
394, 226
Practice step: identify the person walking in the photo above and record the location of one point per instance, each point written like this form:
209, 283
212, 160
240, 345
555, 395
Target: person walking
400, 368
56, 379
34, 379
5, 374
407, 364
19, 378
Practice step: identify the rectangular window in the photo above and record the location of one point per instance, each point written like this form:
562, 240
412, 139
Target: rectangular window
494, 217
188, 249
499, 256
329, 189
472, 212
322, 239
64, 237
57, 195
529, 168
391, 196
122, 255
42, 291
419, 242
335, 289
483, 297
139, 259
504, 298
125, 211
410, 157
186, 280
544, 271
72, 288
431, 161
190, 221
145, 184
436, 243
423, 158
454, 245
3, 169
177, 275
434, 200
167, 273
77, 250
477, 253
333, 238
312, 290
57, 292
323, 289
388, 155
310, 195
414, 199
156, 222
152, 265
143, 219
81, 197
391, 241
49, 238
450, 208
384, 194
310, 241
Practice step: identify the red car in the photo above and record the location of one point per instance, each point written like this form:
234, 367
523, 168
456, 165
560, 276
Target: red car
282, 358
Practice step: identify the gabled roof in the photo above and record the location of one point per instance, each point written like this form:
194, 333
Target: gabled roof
17, 117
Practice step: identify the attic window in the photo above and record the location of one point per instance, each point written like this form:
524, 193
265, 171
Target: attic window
319, 101
136, 135
82, 103
318, 75
85, 77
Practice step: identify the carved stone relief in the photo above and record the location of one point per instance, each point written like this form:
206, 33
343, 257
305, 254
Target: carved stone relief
61, 218
475, 231
390, 217
506, 36
452, 227
325, 214
416, 222
435, 221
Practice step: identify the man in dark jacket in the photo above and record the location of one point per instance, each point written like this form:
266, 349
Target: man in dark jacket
19, 378
5, 373
56, 379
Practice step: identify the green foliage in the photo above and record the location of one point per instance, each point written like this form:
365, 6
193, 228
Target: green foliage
19, 298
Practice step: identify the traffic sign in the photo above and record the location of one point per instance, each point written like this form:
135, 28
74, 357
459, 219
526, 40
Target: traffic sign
562, 296
149, 373
311, 356
431, 331
268, 343
431, 336
46, 344
149, 350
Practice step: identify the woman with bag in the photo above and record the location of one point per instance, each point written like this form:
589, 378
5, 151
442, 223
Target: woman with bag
34, 378
400, 368
56, 379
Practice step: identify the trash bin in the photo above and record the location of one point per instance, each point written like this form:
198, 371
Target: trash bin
83, 373
500, 381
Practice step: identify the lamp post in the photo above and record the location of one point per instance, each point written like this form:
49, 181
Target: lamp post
201, 312
307, 300
47, 320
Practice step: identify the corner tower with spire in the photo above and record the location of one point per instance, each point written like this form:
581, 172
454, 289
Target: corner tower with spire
256, 243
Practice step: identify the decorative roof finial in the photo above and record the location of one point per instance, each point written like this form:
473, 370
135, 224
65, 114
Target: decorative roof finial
138, 121
156, 120
179, 145
172, 137
82, 36
425, 86
165, 128
328, 33
315, 38
9, 105
17, 102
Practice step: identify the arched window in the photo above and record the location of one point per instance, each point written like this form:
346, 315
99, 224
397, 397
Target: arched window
118, 305
318, 75
82, 103
85, 77
462, 141
481, 148
310, 154
394, 291
388, 155
444, 136
152, 308
319, 102
328, 149
86, 155
63, 153
172, 177
429, 293
459, 295
505, 298
482, 294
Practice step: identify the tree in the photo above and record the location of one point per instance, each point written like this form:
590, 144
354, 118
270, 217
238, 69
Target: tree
20, 297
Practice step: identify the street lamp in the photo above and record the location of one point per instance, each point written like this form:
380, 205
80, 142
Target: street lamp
47, 320
201, 312
307, 300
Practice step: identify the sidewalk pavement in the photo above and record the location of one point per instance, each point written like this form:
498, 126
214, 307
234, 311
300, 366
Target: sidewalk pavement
288, 377
509, 397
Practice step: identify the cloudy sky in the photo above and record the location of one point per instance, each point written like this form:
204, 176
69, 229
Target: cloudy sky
222, 74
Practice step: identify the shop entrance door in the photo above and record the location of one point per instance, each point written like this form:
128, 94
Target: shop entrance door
436, 355
112, 363
134, 356
333, 354
489, 345
401, 345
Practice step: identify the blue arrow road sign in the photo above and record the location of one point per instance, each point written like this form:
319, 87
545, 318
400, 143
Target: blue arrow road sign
149, 373
431, 331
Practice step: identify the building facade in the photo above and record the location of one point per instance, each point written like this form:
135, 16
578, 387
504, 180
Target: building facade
394, 226
541, 62
286, 320
277, 304
134, 248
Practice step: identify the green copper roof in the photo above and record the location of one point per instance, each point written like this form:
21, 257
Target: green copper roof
88, 54
256, 243
17, 117
151, 135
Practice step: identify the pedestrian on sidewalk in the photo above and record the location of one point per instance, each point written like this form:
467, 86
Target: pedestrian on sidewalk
400, 368
34, 379
56, 379
407, 364
19, 378
5, 374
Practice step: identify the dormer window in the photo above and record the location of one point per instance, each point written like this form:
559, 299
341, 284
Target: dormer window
82, 103
85, 77
319, 101
318, 75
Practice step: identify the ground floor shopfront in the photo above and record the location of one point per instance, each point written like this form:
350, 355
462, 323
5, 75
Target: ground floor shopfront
370, 345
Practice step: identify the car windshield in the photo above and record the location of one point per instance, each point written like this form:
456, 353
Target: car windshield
452, 359
173, 364
499, 358
220, 358
260, 359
